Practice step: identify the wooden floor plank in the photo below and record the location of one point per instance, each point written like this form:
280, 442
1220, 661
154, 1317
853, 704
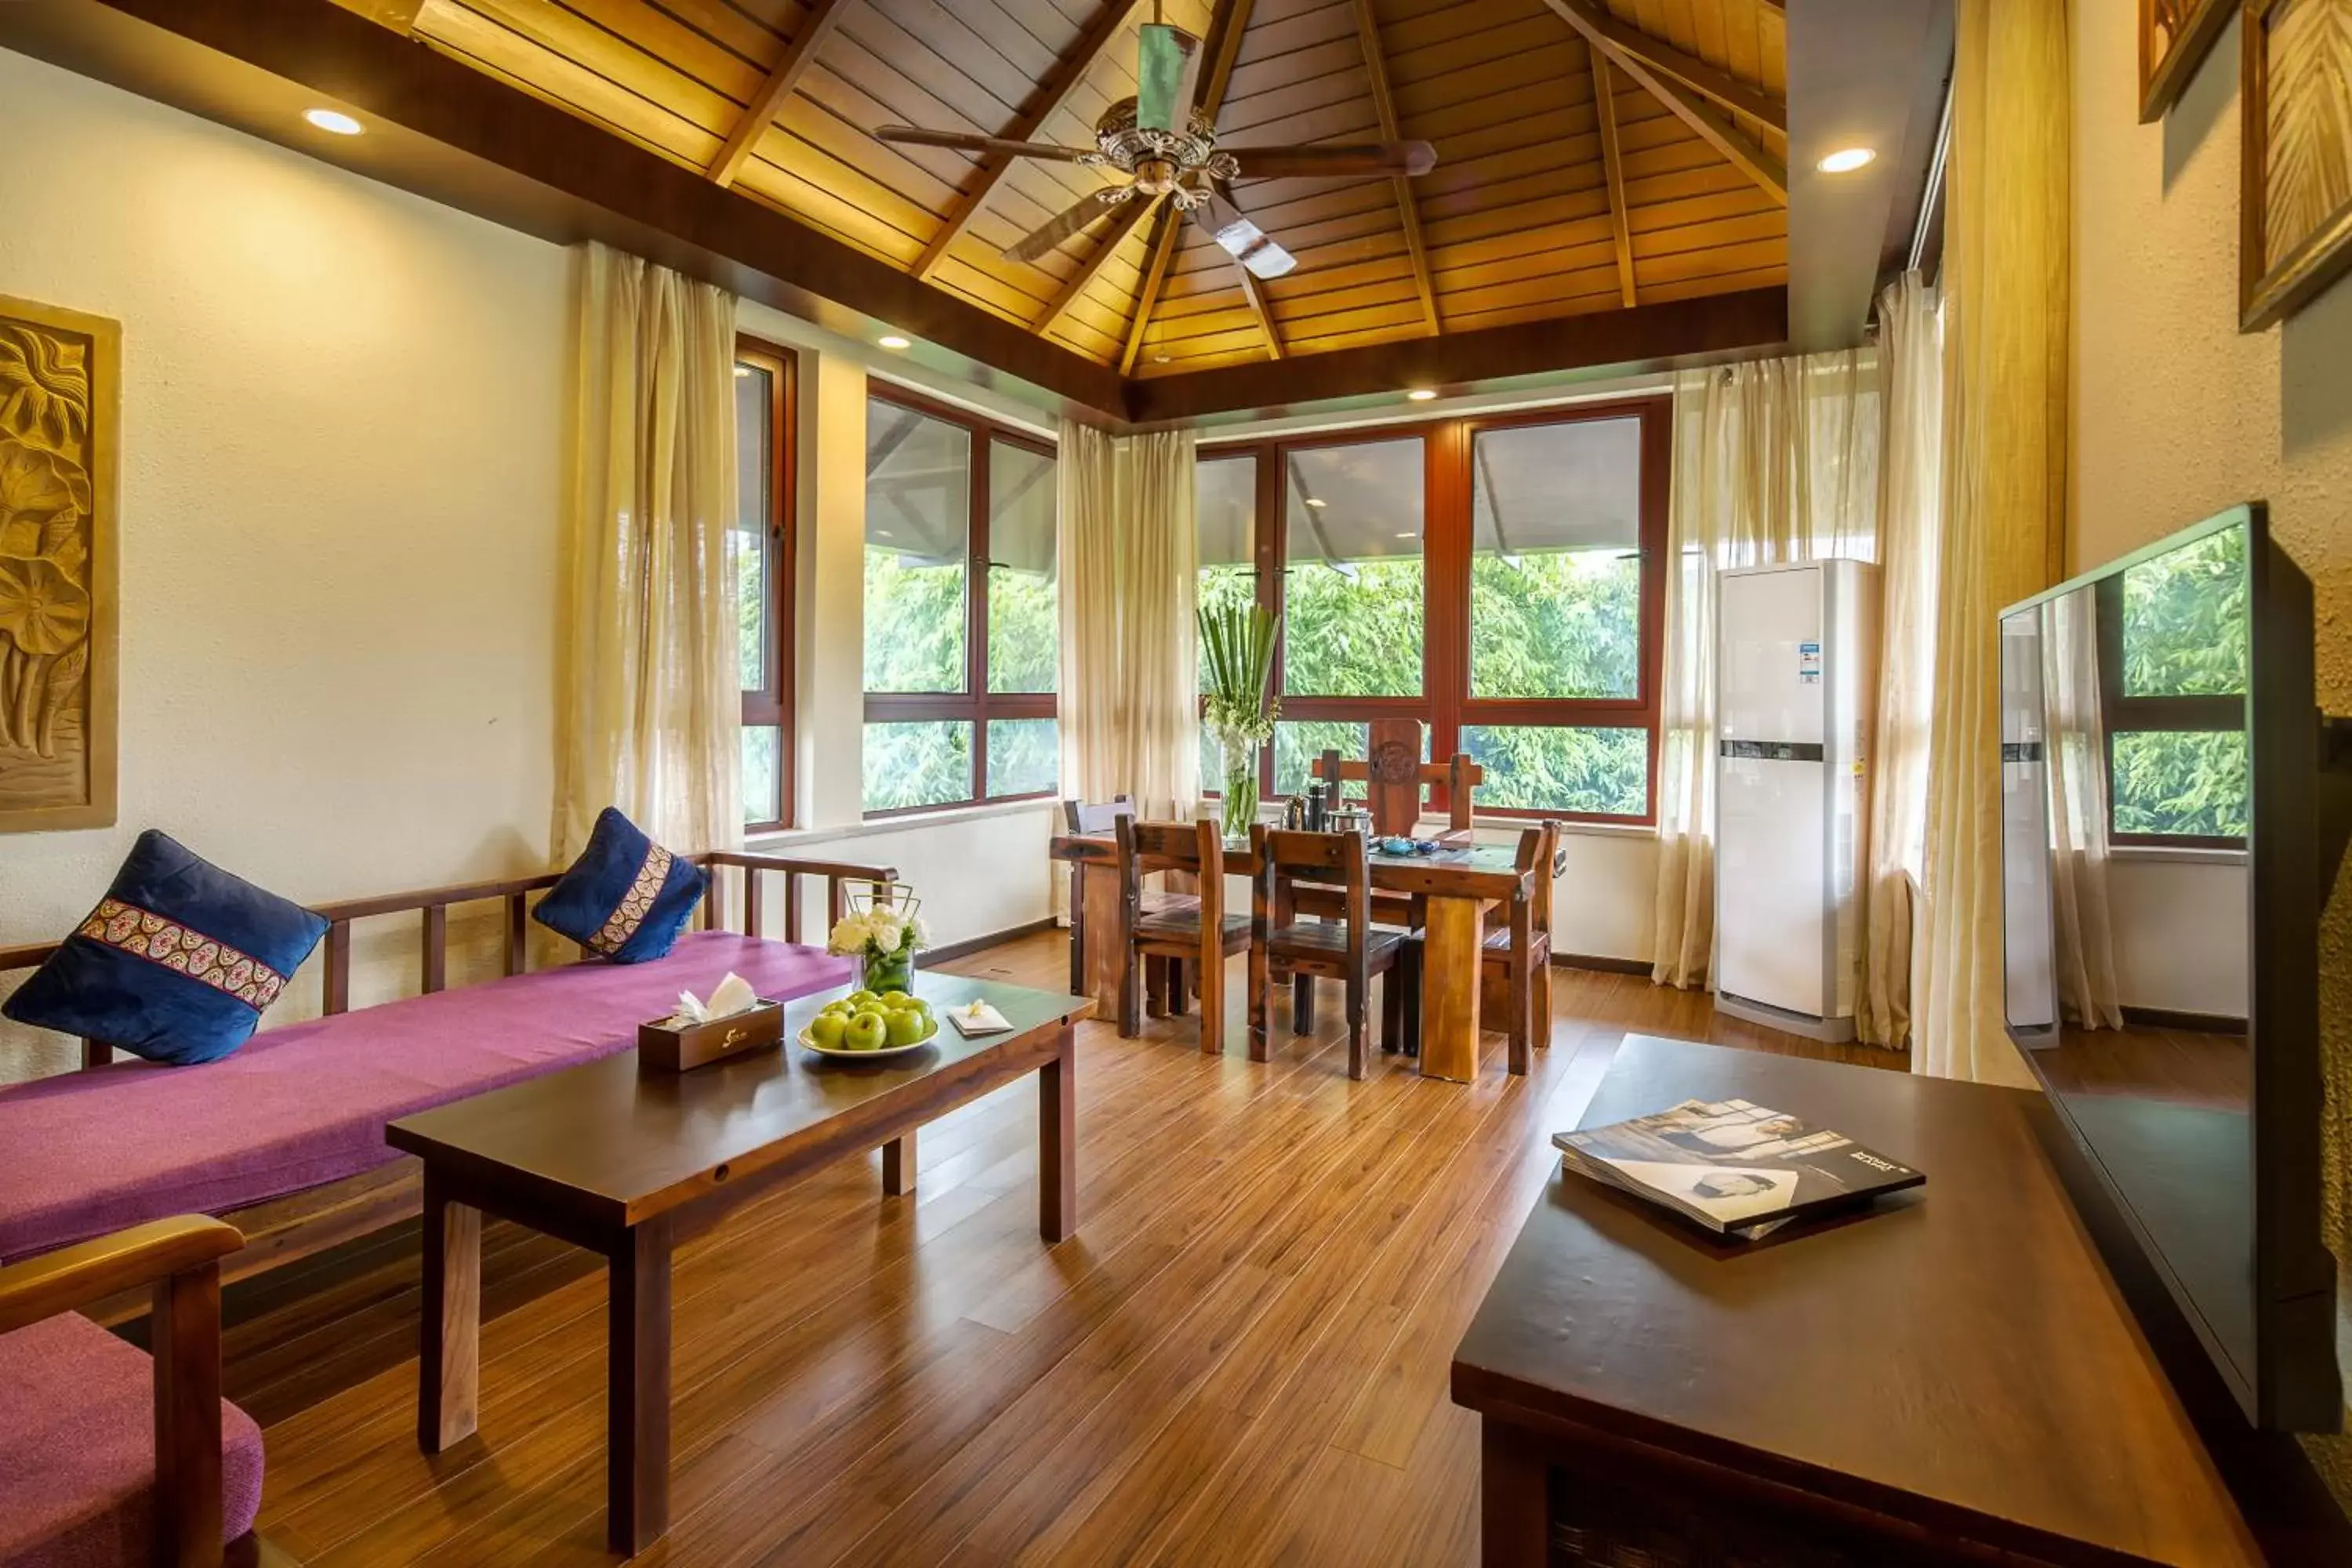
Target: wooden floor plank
1241, 1357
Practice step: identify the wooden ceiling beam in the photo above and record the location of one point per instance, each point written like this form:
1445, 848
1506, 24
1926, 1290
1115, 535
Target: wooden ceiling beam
1368, 32
400, 16
1657, 336
1597, 24
824, 17
1612, 169
1052, 93
1155, 275
1769, 173
1132, 211
1255, 292
1232, 20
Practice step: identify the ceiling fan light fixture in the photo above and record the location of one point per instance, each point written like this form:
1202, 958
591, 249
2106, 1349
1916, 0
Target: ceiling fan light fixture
1847, 160
333, 120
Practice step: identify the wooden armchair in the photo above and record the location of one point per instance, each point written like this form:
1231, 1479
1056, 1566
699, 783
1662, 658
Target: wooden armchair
1351, 949
100, 1445
1194, 938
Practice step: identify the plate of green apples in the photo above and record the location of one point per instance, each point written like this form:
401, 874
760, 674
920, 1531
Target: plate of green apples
865, 1027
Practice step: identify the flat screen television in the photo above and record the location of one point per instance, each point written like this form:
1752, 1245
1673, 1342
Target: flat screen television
2169, 833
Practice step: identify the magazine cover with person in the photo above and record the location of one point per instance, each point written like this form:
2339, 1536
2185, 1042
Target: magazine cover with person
1733, 1166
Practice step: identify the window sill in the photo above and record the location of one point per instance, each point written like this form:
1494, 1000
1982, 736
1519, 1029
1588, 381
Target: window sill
2175, 855
786, 842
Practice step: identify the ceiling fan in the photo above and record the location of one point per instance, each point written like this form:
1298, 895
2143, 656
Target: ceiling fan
1167, 147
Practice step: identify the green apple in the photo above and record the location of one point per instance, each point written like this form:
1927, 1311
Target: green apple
838, 1008
866, 1032
917, 1005
826, 1029
860, 999
908, 1027
893, 999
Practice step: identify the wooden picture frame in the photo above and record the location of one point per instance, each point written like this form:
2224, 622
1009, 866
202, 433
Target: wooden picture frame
2175, 37
2294, 208
60, 426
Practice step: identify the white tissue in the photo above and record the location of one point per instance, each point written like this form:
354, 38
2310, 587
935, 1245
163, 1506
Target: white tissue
734, 995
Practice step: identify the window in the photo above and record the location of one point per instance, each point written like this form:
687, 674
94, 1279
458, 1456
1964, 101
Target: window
2173, 675
962, 624
1498, 580
759, 549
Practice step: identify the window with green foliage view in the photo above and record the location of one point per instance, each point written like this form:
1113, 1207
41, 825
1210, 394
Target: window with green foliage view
1487, 578
963, 629
2174, 670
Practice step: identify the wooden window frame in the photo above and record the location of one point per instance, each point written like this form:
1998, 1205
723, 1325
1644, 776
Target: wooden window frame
1445, 705
772, 706
975, 704
2123, 714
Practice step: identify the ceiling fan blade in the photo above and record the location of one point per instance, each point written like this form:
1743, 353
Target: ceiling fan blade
965, 143
1167, 74
1241, 238
1075, 221
1325, 162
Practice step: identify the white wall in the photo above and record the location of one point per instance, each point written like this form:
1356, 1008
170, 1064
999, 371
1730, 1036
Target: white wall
2179, 919
342, 462
2177, 414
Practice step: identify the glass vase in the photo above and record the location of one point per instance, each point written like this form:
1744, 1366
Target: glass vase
888, 972
1238, 754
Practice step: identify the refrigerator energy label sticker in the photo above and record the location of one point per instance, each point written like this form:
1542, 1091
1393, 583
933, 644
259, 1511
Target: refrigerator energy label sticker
1809, 663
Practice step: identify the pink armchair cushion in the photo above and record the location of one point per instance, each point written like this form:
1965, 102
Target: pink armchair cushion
78, 1450
89, 1153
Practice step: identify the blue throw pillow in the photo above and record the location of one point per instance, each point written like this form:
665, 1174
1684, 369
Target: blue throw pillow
626, 897
175, 964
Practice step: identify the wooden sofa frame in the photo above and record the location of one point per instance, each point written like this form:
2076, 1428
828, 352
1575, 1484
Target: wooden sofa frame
294, 1225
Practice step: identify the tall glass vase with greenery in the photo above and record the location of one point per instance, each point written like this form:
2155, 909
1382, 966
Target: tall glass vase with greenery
1237, 705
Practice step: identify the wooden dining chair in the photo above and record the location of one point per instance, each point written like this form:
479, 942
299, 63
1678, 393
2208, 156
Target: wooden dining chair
1351, 948
1091, 817
1191, 941
1518, 947
1394, 779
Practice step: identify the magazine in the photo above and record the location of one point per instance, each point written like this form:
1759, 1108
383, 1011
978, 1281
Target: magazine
1737, 1168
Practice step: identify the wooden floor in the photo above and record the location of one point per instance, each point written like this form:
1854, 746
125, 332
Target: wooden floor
1241, 1358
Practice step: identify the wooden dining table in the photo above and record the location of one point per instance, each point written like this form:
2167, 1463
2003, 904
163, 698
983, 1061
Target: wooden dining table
1456, 885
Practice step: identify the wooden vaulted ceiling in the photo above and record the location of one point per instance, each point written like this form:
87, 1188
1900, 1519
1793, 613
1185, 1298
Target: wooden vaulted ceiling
1593, 154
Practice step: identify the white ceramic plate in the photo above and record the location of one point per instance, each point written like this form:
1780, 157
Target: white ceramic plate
887, 1053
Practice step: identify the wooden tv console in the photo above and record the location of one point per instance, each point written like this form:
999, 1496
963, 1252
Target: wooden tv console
1956, 1376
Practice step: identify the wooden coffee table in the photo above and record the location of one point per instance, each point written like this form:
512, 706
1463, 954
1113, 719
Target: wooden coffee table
629, 1165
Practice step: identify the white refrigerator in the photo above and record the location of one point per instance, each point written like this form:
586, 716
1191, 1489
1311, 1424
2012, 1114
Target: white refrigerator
1796, 687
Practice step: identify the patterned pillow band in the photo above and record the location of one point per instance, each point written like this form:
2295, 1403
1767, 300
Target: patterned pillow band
634, 905
191, 953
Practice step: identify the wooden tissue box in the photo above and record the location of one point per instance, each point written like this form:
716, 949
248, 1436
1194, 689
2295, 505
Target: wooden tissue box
664, 1048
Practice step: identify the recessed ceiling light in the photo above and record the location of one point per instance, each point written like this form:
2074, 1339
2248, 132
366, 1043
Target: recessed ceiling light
891, 340
1317, 502
1846, 160
1409, 533
1163, 357
1420, 394
743, 371
334, 119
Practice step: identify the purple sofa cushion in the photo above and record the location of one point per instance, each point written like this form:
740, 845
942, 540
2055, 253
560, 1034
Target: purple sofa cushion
88, 1152
78, 1450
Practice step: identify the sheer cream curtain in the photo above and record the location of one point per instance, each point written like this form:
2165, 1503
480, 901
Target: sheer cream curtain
651, 704
1910, 516
1775, 460
2005, 385
2077, 747
1129, 717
